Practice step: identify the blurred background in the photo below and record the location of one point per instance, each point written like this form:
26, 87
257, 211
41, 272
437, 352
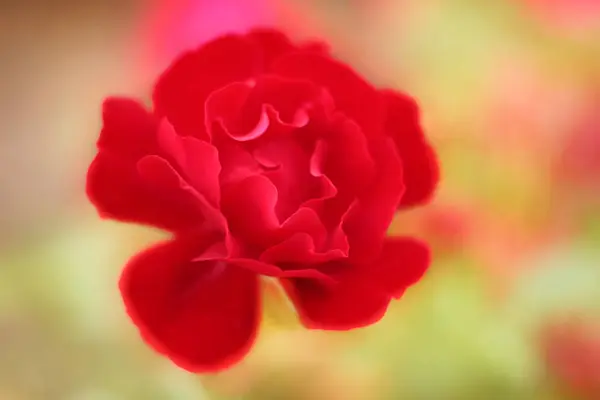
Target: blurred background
510, 94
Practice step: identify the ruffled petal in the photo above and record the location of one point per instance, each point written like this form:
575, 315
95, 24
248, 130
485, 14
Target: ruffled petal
145, 173
118, 190
346, 159
298, 251
246, 110
225, 107
197, 160
203, 315
419, 162
362, 292
180, 93
250, 208
267, 119
291, 175
368, 219
352, 94
163, 178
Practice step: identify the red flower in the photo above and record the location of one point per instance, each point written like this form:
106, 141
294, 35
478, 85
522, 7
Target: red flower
262, 158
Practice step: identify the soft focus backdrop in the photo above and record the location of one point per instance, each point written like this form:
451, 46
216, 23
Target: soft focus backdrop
510, 93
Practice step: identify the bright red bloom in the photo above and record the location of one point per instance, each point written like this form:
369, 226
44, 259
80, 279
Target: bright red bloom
262, 158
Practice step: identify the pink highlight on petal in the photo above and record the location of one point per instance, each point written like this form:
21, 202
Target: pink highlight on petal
316, 160
260, 128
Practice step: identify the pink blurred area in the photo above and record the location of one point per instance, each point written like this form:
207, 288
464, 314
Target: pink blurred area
172, 26
572, 15
166, 28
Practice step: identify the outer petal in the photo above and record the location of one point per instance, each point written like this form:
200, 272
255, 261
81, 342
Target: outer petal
352, 94
146, 173
273, 44
420, 165
202, 315
182, 90
368, 219
362, 293
401, 264
352, 302
118, 190
344, 157
128, 129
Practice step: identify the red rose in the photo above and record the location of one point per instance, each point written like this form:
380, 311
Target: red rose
262, 158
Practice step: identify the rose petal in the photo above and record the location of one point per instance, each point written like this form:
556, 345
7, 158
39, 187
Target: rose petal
182, 90
292, 176
127, 128
293, 100
267, 269
343, 155
402, 263
362, 293
237, 164
352, 94
197, 160
419, 162
202, 315
273, 44
246, 110
368, 219
304, 220
353, 302
116, 188
163, 178
298, 251
347, 161
262, 119
307, 221
226, 107
249, 206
